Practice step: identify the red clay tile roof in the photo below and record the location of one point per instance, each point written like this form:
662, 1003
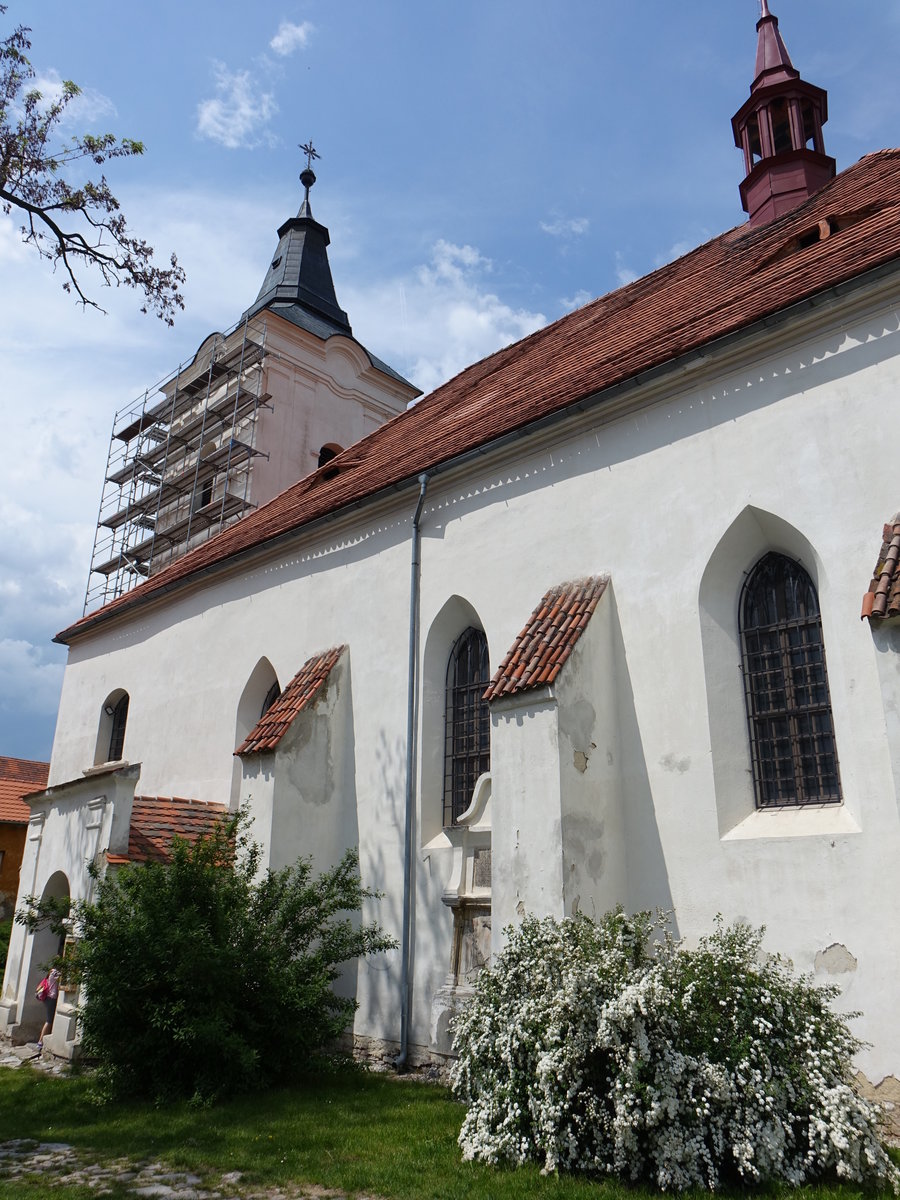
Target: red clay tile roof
883, 597
156, 820
18, 777
539, 652
299, 693
725, 286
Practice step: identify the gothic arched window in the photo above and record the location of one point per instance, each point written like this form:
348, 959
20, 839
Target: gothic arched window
786, 687
467, 744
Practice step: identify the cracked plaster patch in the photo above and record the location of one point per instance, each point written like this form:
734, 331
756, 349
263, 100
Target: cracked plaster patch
836, 960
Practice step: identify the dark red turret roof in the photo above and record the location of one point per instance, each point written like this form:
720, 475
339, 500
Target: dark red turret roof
779, 129
773, 63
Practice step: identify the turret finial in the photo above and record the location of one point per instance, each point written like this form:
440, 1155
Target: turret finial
308, 175
764, 6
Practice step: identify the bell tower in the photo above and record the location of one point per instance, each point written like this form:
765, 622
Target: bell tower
779, 129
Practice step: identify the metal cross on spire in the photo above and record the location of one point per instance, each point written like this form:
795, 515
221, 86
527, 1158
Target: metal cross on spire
310, 151
308, 175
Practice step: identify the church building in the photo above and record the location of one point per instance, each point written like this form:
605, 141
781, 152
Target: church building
581, 627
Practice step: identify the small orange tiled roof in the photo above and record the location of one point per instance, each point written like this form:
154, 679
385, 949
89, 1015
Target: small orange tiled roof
538, 653
735, 281
156, 820
883, 597
300, 692
18, 777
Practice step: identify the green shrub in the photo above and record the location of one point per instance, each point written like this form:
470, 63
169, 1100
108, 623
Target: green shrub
609, 1048
201, 977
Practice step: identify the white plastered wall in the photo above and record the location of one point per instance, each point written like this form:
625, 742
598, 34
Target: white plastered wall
324, 392
789, 423
70, 827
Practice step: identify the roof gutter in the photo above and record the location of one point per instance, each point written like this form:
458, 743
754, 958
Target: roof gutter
683, 362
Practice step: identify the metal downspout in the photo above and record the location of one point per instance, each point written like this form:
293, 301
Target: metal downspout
411, 746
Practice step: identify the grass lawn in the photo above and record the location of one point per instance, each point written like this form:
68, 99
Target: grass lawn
349, 1131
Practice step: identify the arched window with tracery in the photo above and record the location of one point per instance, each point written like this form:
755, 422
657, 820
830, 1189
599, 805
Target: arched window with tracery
467, 743
792, 741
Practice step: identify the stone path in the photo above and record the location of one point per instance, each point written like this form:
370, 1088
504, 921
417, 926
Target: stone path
59, 1163
16, 1056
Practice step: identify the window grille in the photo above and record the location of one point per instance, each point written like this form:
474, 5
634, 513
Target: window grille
467, 745
117, 730
792, 742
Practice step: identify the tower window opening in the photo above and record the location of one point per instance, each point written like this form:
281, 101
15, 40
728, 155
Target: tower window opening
753, 140
809, 126
781, 126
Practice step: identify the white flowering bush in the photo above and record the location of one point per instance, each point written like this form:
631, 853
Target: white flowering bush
608, 1048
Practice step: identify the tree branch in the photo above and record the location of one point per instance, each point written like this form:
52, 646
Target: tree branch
31, 181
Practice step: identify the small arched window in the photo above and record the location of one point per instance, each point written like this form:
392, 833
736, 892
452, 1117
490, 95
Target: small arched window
117, 714
786, 687
467, 744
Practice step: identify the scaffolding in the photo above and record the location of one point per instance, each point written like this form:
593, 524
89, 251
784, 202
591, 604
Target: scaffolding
179, 467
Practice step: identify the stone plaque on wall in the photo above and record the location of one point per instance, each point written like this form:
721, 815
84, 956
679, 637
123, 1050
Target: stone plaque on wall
481, 867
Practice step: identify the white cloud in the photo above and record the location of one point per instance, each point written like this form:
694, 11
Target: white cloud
581, 297
88, 106
437, 319
238, 115
12, 248
26, 710
624, 273
566, 227
66, 371
677, 250
291, 37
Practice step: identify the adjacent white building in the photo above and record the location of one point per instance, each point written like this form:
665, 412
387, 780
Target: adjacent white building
580, 628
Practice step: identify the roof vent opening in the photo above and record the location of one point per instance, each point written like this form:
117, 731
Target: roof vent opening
819, 233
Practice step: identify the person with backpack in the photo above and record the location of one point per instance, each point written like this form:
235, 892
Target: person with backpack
48, 992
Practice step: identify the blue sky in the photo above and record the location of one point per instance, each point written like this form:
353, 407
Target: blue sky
486, 166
